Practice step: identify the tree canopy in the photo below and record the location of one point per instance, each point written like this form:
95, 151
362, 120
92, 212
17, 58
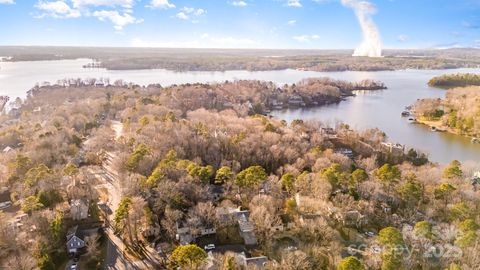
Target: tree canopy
453, 170
188, 256
350, 263
251, 176
223, 175
388, 174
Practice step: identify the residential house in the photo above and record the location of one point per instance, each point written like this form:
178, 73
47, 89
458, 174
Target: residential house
240, 260
275, 104
287, 224
99, 83
227, 105
296, 101
346, 152
72, 83
79, 209
241, 217
476, 180
253, 262
7, 149
246, 227
385, 199
329, 133
186, 233
394, 148
74, 241
353, 218
5, 201
216, 192
183, 236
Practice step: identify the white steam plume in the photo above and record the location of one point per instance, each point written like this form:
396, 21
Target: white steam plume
371, 45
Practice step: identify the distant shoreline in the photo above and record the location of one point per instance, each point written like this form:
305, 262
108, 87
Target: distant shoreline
250, 60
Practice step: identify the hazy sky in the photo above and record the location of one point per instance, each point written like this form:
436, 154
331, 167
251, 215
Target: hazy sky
322, 24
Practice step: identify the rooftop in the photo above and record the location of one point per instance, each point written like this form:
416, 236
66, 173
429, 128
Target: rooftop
5, 195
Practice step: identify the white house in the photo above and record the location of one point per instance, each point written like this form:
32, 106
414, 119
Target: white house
186, 234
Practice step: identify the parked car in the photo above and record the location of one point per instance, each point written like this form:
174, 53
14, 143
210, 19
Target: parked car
5, 205
73, 266
209, 247
291, 248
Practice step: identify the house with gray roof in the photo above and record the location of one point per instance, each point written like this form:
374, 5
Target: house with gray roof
74, 240
5, 200
246, 227
476, 180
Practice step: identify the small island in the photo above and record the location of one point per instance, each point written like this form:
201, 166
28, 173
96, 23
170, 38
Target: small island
455, 80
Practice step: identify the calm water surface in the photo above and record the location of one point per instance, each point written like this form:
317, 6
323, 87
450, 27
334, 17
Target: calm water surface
371, 109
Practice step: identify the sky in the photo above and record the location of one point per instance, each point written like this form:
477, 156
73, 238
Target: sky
279, 24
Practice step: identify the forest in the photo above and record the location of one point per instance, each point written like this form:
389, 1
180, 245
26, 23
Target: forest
199, 164
455, 80
458, 112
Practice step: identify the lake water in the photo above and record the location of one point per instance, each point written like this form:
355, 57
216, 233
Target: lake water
368, 109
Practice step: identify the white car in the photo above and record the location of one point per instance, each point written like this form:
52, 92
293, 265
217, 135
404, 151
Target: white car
5, 205
291, 248
73, 266
209, 247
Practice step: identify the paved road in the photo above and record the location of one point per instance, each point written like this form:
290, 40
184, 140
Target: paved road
115, 246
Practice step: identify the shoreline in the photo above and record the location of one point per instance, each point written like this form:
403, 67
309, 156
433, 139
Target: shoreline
441, 128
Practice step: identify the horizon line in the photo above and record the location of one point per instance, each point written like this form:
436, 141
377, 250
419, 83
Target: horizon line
228, 48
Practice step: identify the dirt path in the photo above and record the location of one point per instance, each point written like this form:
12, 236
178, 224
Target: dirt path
117, 126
